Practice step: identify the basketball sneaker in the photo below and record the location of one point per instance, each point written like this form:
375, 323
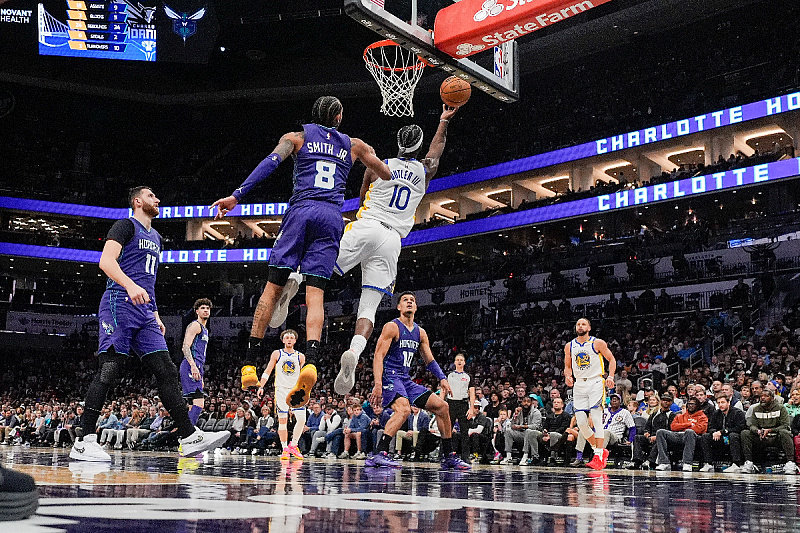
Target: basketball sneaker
453, 462
249, 377
282, 307
295, 451
285, 455
301, 393
381, 459
347, 373
19, 497
598, 462
88, 450
202, 441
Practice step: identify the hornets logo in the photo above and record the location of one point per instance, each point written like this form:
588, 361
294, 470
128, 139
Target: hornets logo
288, 367
583, 360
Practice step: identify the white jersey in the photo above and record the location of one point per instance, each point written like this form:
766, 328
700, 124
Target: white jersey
394, 202
287, 370
586, 361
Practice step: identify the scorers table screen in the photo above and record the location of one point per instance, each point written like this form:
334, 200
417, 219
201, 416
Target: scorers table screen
100, 29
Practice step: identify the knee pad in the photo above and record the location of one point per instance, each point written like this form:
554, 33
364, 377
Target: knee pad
278, 275
283, 426
583, 424
597, 420
368, 304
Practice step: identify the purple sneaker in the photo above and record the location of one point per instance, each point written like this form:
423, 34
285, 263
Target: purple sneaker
381, 459
454, 462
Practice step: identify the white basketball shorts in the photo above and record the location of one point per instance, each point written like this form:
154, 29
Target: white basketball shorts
376, 247
588, 394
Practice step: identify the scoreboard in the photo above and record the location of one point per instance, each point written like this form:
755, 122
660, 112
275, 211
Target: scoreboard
101, 29
175, 31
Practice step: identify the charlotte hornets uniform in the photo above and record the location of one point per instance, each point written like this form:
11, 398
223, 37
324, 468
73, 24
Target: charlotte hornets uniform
190, 386
123, 325
287, 370
312, 226
587, 370
386, 217
396, 367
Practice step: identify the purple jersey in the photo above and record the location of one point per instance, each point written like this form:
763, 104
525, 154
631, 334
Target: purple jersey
321, 166
199, 346
139, 257
402, 351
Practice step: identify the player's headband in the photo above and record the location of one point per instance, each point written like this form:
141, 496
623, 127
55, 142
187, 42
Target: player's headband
401, 135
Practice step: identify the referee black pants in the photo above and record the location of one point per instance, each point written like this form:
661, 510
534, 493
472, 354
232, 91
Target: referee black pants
458, 413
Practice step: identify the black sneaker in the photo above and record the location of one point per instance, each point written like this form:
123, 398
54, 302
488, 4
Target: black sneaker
19, 497
577, 462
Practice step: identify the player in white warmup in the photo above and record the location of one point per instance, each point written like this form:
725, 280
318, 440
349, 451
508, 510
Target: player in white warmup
287, 364
583, 368
373, 239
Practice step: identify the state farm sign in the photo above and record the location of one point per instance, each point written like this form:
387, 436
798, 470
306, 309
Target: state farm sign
470, 26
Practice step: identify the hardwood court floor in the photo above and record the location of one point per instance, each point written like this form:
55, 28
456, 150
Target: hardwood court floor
153, 492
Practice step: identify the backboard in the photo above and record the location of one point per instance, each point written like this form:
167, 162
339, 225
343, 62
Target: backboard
495, 72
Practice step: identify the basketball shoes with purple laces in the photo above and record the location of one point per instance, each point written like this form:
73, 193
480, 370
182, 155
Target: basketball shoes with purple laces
453, 462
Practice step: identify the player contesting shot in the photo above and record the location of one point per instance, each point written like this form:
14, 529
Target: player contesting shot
386, 216
310, 232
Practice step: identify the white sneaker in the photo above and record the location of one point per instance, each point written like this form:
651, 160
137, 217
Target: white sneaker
749, 468
282, 307
347, 373
790, 468
202, 441
524, 459
344, 455
88, 450
733, 469
360, 455
664, 468
507, 461
707, 468
687, 468
254, 452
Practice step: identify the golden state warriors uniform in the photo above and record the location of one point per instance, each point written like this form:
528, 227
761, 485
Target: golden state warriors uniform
287, 369
386, 217
587, 370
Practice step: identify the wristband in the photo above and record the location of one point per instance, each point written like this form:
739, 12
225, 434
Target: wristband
444, 120
434, 368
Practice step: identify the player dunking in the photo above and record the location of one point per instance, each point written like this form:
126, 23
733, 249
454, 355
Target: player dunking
583, 368
129, 323
195, 342
310, 231
373, 240
400, 341
287, 364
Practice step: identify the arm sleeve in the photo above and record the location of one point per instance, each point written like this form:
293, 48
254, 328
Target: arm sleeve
261, 172
122, 231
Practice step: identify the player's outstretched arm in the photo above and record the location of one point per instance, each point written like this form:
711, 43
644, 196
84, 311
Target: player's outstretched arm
366, 154
436, 149
289, 144
602, 347
389, 333
273, 360
431, 364
109, 265
568, 366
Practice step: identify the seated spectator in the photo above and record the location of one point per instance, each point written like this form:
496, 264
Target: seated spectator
724, 432
335, 438
554, 431
311, 427
67, 434
378, 423
263, 434
645, 450
358, 432
501, 424
480, 428
683, 433
768, 425
793, 405
166, 435
118, 432
618, 423
416, 424
329, 422
106, 424
140, 431
525, 418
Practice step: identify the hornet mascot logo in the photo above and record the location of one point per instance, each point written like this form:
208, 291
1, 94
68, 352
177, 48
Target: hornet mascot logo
183, 24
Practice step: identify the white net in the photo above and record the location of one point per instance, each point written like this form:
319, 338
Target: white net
397, 72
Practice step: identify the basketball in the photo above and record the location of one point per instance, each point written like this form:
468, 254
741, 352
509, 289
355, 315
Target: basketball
455, 92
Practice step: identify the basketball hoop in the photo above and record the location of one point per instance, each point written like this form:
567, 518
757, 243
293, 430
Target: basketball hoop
397, 72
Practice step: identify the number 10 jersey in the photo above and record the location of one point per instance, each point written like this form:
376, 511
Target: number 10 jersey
394, 202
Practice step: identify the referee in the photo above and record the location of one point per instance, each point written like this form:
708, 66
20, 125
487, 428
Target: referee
460, 401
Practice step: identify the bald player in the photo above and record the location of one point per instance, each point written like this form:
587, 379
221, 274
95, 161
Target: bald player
583, 369
373, 239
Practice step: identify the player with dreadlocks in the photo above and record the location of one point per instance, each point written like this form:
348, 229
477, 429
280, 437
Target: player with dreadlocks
310, 231
385, 217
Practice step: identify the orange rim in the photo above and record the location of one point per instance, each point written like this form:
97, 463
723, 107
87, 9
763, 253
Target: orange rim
419, 64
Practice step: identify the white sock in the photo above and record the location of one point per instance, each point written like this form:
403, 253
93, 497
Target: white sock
598, 451
283, 444
358, 344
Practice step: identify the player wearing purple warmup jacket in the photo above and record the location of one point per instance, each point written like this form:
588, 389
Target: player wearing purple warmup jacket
310, 232
400, 342
195, 342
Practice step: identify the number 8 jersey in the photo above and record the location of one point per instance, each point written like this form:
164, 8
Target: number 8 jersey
401, 353
394, 202
321, 166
